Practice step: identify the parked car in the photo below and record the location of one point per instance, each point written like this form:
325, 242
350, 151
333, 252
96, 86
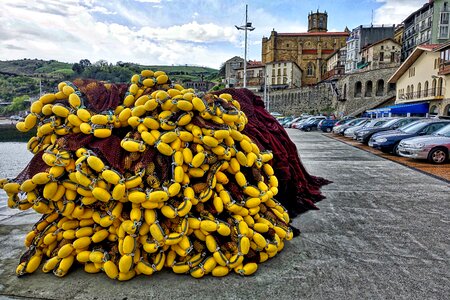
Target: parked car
388, 141
350, 132
434, 147
356, 122
301, 121
365, 134
326, 125
311, 124
289, 123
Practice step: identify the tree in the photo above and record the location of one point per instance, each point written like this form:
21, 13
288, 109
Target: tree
222, 70
18, 104
77, 68
85, 63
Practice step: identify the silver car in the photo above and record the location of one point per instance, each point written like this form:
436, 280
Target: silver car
434, 147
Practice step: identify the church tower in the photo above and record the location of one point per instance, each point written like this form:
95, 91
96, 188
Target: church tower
317, 21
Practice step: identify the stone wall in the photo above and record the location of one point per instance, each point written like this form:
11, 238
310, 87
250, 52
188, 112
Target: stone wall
311, 99
363, 90
342, 97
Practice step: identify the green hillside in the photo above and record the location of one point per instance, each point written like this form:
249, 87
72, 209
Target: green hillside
23, 77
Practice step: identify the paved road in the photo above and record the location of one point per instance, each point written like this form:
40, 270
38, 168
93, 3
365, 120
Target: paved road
382, 233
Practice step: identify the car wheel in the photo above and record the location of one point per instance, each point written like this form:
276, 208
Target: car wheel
308, 129
328, 129
438, 156
395, 150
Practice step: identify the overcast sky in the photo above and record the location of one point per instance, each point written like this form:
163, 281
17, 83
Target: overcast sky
165, 32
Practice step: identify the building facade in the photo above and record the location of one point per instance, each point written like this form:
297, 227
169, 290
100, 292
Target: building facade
383, 54
202, 86
361, 37
427, 25
309, 50
418, 79
231, 66
441, 22
444, 72
283, 74
336, 64
255, 76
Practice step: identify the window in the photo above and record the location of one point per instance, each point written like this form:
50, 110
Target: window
273, 80
439, 89
279, 72
380, 87
273, 72
408, 91
425, 89
412, 72
433, 88
392, 56
284, 80
419, 90
310, 70
369, 88
287, 45
345, 91
358, 88
284, 71
382, 47
381, 56
412, 92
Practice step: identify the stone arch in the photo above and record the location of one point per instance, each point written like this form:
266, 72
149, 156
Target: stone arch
380, 87
434, 110
369, 88
324, 69
447, 110
358, 89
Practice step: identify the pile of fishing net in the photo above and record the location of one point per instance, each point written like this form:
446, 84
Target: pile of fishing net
131, 179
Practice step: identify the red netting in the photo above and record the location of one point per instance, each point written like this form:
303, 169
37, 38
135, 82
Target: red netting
298, 190
101, 96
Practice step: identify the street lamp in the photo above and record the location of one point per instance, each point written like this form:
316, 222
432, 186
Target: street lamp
246, 27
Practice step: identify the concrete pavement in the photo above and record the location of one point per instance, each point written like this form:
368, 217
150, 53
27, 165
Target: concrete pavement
382, 233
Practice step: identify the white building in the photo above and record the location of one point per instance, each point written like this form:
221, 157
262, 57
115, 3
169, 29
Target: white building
283, 74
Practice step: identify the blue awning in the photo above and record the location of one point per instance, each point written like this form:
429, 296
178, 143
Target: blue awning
413, 108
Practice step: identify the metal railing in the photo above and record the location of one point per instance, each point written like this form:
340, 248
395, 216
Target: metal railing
423, 94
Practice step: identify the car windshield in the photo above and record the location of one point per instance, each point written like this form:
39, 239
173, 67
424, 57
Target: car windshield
379, 123
360, 122
416, 127
389, 123
444, 131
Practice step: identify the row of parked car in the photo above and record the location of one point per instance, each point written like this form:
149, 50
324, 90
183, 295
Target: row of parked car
412, 137
309, 123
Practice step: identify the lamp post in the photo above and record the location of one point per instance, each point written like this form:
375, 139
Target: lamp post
246, 27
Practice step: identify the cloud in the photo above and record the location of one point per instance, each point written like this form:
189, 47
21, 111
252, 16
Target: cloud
71, 32
395, 11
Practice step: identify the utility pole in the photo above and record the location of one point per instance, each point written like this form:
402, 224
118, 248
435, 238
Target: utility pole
246, 27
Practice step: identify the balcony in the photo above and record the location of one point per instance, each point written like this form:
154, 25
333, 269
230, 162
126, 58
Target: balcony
444, 68
430, 94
